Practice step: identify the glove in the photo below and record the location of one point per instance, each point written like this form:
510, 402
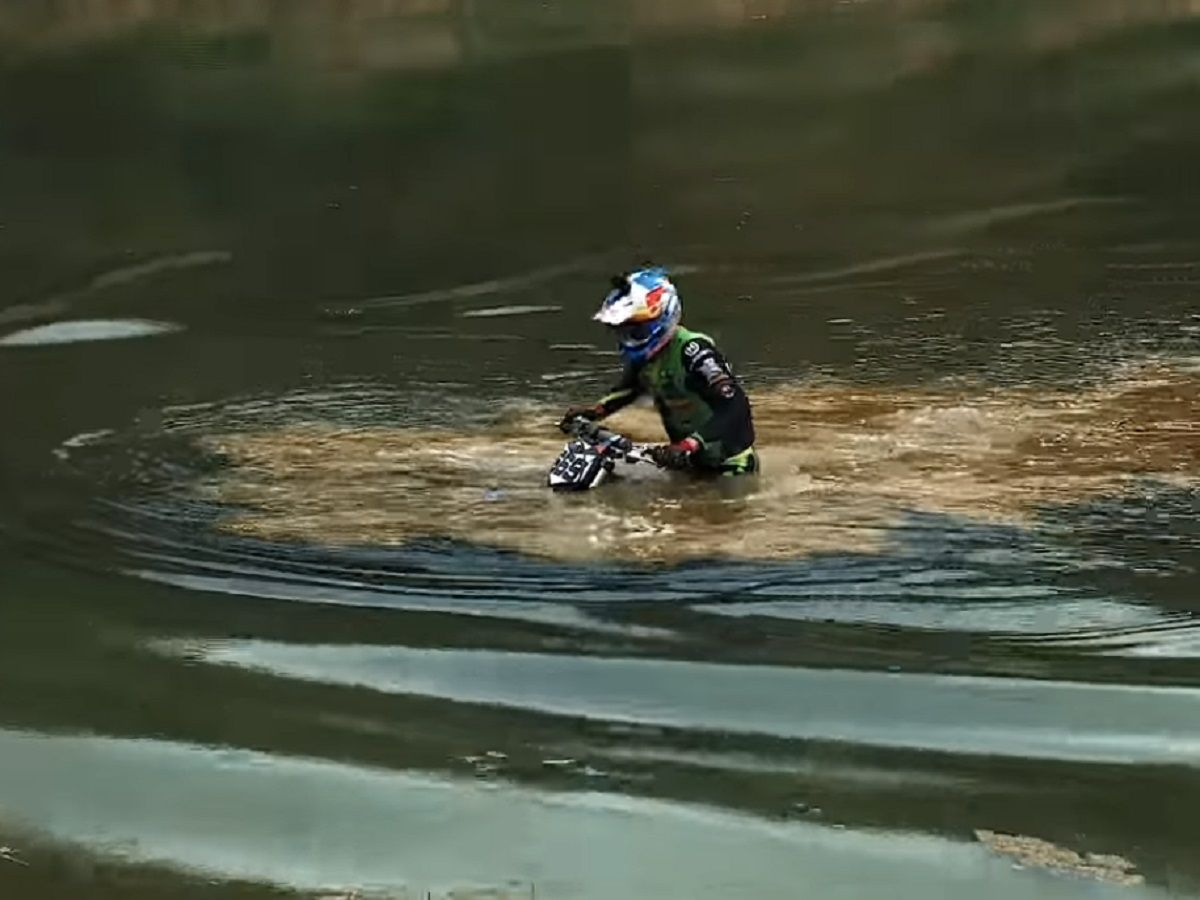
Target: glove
675, 456
591, 413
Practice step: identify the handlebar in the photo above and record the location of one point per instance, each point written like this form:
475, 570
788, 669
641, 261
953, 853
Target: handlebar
593, 433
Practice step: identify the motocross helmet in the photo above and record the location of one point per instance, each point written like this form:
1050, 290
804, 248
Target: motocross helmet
643, 308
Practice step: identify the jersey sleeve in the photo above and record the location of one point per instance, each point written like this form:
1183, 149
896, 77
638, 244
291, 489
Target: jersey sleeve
623, 392
712, 378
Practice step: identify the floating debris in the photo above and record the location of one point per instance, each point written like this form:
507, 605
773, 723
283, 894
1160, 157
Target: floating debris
1031, 851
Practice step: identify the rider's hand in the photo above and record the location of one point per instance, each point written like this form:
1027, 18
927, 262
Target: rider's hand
677, 455
591, 413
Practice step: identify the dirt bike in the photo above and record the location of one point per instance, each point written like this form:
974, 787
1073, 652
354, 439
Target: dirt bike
590, 457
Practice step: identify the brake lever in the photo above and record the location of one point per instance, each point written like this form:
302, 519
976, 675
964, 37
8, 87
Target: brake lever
640, 453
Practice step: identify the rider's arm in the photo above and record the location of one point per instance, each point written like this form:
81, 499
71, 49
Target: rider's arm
623, 393
710, 376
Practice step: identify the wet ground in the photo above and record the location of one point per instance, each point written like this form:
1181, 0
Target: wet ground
293, 296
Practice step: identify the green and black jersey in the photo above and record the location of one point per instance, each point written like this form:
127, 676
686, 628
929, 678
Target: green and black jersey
697, 396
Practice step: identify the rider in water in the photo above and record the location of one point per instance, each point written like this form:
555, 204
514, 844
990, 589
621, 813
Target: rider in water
704, 410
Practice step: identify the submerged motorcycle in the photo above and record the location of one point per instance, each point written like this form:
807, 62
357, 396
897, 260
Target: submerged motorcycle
590, 457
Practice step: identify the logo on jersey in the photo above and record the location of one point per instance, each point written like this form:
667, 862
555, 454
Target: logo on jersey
712, 371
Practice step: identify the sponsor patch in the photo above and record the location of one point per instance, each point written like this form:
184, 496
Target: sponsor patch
691, 348
727, 390
712, 371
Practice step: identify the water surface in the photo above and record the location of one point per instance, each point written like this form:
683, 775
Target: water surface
285, 604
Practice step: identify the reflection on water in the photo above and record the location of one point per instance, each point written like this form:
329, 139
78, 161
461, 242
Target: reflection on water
320, 825
85, 330
843, 466
1004, 717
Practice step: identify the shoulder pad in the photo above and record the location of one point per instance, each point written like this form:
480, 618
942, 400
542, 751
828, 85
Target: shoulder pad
708, 363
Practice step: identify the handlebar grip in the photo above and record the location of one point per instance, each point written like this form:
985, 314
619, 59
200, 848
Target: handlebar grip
574, 425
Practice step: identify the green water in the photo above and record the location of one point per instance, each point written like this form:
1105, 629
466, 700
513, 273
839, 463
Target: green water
292, 294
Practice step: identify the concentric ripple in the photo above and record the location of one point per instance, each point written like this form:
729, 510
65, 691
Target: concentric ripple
880, 508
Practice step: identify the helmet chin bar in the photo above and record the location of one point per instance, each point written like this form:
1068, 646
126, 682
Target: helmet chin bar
648, 349
626, 339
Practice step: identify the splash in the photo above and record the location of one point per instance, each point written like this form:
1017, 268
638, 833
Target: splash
845, 468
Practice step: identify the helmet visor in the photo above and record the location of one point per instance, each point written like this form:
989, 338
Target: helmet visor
634, 334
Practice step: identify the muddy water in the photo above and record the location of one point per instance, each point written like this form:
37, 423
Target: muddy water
293, 296
843, 468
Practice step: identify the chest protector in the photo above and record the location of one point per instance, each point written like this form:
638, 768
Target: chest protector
665, 378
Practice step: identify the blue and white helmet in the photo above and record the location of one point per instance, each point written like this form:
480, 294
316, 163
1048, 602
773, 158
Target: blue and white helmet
644, 309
